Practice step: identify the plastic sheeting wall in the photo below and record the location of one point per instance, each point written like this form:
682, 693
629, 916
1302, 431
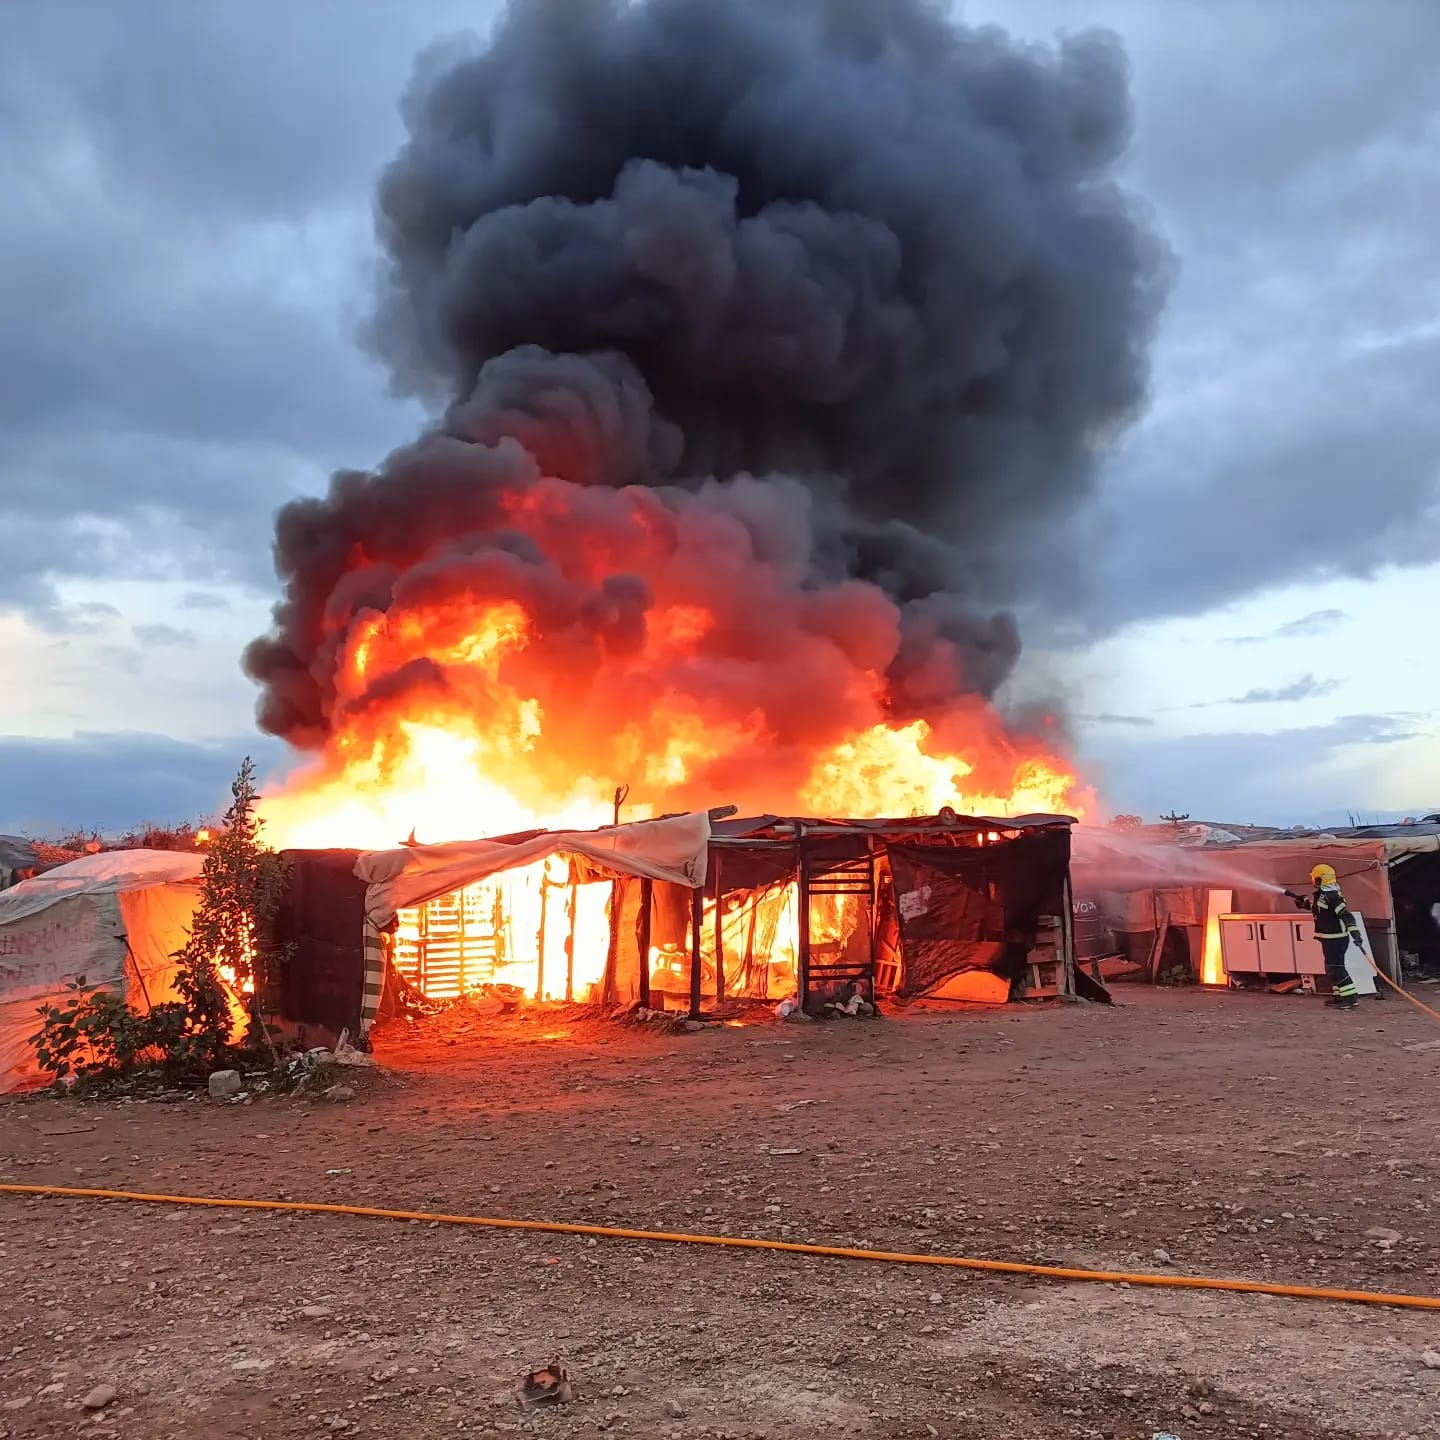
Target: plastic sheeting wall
975, 908
40, 954
121, 942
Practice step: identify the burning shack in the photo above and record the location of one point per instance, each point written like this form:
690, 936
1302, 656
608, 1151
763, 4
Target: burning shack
948, 906
684, 913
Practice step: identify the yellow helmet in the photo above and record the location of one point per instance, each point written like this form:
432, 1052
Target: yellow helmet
1323, 875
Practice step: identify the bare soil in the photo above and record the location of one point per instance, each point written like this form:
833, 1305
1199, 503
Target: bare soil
1248, 1136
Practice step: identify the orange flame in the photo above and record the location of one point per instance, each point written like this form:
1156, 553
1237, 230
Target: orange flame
1212, 962
473, 715
443, 769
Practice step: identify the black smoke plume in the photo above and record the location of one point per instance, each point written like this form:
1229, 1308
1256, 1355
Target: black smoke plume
870, 256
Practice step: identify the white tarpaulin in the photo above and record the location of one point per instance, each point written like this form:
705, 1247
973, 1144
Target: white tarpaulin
116, 919
113, 872
675, 849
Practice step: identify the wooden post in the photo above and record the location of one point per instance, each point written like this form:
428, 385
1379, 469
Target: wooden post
1067, 936
540, 938
697, 924
642, 938
612, 954
802, 901
570, 942
754, 903
719, 935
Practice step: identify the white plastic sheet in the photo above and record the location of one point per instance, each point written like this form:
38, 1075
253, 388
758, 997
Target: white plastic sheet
115, 919
675, 849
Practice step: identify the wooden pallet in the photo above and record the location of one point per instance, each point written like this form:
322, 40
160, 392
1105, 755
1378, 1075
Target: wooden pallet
1045, 965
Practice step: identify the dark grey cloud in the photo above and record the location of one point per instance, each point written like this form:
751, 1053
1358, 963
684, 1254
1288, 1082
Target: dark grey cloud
1289, 151
110, 782
87, 618
1305, 334
1307, 687
183, 258
1247, 777
185, 241
186, 233
1141, 721
1317, 622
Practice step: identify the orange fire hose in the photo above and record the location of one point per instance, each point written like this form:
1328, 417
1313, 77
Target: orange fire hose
789, 1247
1400, 990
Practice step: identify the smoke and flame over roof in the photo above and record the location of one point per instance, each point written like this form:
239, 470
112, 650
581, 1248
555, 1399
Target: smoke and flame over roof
764, 336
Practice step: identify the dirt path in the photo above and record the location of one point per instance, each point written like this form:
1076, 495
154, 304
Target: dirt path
1246, 1136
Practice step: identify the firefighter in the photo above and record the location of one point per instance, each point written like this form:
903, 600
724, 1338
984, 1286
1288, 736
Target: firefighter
1335, 928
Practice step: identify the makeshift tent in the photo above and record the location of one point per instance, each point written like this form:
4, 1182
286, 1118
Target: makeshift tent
18, 860
116, 919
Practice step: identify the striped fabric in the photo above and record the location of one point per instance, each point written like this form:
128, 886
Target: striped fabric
374, 977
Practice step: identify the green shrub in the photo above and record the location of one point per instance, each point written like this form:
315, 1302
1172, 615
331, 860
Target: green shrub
95, 1037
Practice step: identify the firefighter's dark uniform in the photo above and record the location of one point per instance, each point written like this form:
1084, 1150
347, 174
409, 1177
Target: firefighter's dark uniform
1335, 929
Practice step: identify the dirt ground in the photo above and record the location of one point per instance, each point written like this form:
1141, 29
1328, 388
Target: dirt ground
1250, 1136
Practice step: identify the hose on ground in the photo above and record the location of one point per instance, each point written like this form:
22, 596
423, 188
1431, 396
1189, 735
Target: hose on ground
787, 1247
1400, 990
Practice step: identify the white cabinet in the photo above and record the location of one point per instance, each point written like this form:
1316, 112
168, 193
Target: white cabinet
1280, 945
1240, 944
1274, 935
1309, 957
1277, 945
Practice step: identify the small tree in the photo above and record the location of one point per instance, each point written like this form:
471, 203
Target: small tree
96, 1037
240, 888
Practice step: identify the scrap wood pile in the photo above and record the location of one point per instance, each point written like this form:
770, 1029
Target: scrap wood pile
51, 853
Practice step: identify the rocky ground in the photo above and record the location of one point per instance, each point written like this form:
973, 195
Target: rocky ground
1223, 1135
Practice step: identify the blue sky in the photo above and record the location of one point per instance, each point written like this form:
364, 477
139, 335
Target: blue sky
183, 280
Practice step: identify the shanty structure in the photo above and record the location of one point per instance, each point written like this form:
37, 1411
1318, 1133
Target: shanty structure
683, 913
1166, 906
116, 919
525, 914
821, 910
